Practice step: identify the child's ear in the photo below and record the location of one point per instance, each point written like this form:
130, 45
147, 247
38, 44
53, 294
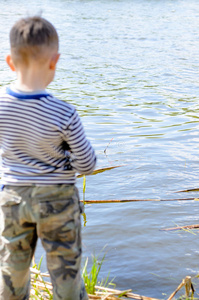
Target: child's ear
54, 61
10, 62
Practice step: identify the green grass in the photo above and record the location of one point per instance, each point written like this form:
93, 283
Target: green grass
91, 279
38, 293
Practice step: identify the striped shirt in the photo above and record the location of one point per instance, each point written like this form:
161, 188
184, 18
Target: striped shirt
42, 140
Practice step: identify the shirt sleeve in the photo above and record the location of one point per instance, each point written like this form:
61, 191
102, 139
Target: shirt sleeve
83, 158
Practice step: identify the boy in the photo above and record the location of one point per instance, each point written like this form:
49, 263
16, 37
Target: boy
42, 144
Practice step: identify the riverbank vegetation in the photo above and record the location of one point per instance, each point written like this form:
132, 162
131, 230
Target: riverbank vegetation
41, 287
105, 289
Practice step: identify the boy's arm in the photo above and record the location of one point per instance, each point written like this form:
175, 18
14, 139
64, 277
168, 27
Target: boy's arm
83, 158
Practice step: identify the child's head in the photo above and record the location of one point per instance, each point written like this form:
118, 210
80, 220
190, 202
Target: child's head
32, 38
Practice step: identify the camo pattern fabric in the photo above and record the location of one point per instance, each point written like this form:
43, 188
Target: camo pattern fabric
51, 213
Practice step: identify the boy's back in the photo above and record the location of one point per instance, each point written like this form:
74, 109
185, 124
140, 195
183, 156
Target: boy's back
42, 146
42, 140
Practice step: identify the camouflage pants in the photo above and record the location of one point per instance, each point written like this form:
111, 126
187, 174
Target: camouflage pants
51, 213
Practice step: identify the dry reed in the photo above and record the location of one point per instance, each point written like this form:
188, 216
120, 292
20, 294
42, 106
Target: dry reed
102, 293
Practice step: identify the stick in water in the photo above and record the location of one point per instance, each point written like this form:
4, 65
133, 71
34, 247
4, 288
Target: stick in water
134, 200
182, 227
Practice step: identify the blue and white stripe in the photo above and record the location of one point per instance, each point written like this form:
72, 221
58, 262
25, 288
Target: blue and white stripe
42, 140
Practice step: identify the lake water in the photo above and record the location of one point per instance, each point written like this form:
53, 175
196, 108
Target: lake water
131, 68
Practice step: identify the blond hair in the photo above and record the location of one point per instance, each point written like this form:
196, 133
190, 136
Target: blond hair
31, 37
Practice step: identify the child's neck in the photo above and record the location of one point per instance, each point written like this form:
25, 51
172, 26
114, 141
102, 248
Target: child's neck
25, 87
29, 83
32, 79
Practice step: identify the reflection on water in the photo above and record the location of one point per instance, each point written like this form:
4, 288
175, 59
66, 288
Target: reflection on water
131, 69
